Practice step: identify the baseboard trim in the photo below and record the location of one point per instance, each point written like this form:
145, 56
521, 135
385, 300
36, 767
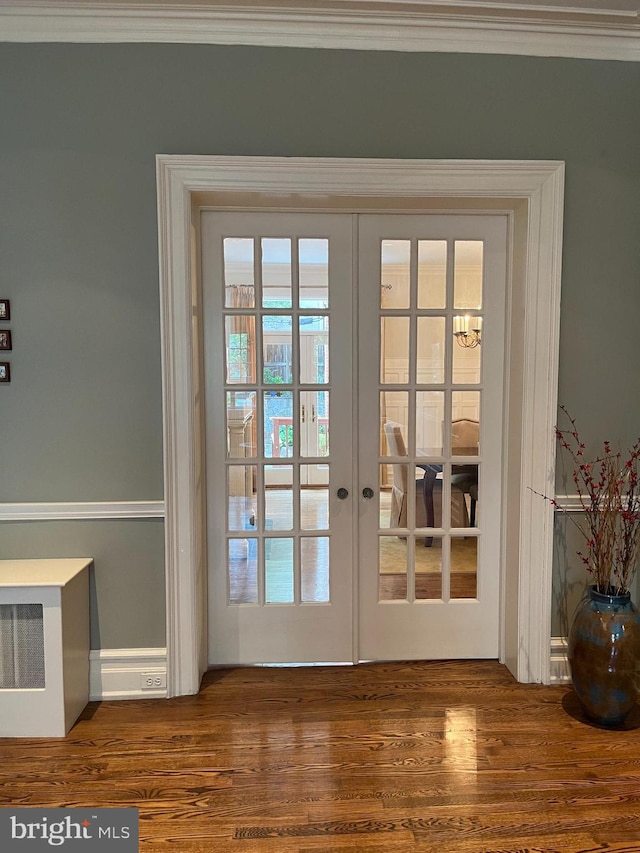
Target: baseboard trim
559, 670
78, 511
118, 673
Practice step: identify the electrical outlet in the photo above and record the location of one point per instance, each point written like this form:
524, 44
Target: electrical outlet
153, 680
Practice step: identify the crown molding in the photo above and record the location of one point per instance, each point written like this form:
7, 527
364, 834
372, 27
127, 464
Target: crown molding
459, 26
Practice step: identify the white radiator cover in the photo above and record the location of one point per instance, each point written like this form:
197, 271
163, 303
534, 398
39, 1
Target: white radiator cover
44, 646
21, 647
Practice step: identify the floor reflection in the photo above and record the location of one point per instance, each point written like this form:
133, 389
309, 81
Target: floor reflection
461, 740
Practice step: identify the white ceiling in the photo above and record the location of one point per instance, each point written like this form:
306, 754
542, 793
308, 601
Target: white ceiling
592, 29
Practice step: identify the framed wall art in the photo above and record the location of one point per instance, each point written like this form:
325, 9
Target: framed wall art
5, 371
5, 309
5, 339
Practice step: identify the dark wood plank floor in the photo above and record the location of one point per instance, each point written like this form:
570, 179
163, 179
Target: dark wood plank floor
381, 758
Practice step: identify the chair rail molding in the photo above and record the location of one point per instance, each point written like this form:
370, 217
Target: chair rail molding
555, 28
80, 510
569, 503
537, 184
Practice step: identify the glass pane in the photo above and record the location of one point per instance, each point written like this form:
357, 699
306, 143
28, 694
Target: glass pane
429, 423
239, 289
432, 498
241, 504
278, 571
467, 350
464, 567
277, 350
432, 273
464, 495
278, 502
276, 272
242, 561
314, 568
314, 350
321, 414
399, 489
394, 411
406, 483
392, 579
314, 418
430, 366
467, 276
394, 273
313, 259
429, 569
241, 431
465, 423
278, 424
314, 502
394, 349
385, 496
240, 331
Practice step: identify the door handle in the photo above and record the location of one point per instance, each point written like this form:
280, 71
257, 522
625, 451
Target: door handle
343, 493
367, 493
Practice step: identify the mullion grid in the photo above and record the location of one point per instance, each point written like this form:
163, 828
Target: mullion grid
411, 420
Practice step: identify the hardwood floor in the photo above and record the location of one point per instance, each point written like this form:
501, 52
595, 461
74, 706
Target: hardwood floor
440, 757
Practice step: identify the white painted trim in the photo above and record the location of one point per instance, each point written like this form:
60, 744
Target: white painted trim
569, 503
186, 627
539, 416
418, 26
560, 672
117, 673
87, 510
539, 183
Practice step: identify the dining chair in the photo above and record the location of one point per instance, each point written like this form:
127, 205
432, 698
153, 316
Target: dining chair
465, 436
396, 447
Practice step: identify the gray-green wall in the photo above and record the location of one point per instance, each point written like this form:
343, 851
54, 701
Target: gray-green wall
80, 126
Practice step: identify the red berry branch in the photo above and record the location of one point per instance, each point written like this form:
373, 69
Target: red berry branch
607, 489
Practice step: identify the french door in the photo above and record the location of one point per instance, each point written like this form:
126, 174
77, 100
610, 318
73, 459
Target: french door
278, 360
432, 299
354, 410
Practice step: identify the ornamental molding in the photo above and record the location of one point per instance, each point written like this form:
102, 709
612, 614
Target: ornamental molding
595, 29
80, 510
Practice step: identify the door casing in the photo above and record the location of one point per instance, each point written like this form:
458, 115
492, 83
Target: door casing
532, 194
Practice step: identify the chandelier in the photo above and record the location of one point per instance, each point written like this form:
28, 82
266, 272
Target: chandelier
468, 331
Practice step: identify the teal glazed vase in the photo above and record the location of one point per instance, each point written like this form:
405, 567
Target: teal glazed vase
604, 656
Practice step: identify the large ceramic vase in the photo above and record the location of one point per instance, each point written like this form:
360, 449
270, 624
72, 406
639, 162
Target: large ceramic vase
604, 656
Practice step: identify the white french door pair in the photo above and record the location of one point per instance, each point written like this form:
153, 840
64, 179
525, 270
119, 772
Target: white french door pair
354, 382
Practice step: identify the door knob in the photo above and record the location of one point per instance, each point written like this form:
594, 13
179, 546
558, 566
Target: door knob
343, 493
367, 493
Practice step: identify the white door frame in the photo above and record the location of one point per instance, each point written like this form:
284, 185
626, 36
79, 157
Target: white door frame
534, 192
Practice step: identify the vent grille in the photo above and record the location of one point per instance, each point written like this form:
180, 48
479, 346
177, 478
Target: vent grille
21, 647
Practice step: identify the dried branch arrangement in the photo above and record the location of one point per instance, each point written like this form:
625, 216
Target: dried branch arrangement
608, 491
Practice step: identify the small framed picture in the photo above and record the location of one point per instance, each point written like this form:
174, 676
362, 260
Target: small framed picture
5, 339
5, 371
5, 309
